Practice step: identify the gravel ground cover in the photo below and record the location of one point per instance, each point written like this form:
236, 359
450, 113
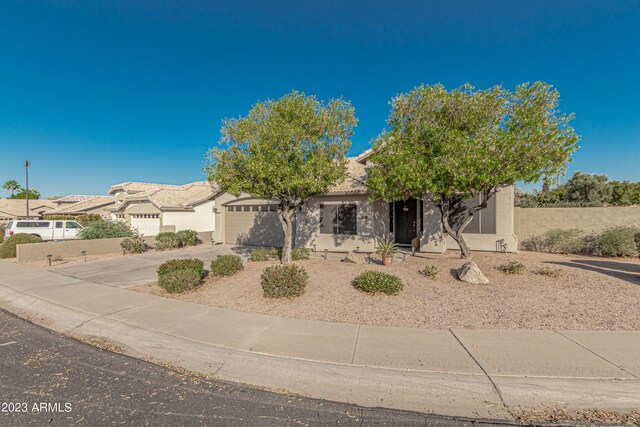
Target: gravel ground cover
590, 293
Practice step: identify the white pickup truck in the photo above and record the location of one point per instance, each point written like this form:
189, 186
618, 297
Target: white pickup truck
45, 229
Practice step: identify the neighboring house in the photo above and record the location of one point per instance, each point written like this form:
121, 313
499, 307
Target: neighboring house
100, 205
153, 208
11, 209
344, 219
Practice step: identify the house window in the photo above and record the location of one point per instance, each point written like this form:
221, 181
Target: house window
339, 219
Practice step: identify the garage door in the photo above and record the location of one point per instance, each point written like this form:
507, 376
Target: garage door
146, 224
256, 225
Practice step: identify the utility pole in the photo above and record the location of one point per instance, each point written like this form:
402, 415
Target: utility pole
26, 166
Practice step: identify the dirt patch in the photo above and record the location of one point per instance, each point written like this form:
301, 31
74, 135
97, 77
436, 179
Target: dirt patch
559, 414
589, 293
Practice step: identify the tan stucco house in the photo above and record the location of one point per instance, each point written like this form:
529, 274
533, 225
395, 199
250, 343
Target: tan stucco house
153, 208
344, 219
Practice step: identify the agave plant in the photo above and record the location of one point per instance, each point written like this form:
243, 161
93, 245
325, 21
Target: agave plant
387, 248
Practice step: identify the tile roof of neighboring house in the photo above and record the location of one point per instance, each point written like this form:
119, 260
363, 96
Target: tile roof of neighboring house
355, 181
73, 198
138, 187
175, 196
83, 206
17, 207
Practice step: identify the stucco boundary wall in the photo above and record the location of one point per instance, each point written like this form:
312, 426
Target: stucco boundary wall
27, 252
529, 222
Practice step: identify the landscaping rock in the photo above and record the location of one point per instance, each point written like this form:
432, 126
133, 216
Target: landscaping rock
354, 258
469, 272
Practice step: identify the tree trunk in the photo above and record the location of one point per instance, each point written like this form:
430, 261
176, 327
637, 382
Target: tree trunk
285, 214
444, 207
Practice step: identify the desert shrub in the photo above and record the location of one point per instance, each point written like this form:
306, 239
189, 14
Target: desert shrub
534, 243
178, 275
430, 271
376, 281
8, 247
105, 229
300, 254
167, 240
275, 253
179, 281
285, 281
2, 228
550, 272
134, 244
182, 264
226, 265
261, 255
512, 267
564, 241
618, 241
187, 237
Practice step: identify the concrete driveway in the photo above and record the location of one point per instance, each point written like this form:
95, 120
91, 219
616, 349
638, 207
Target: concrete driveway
133, 270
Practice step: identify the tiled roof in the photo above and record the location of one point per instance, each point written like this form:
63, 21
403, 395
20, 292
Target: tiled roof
73, 198
138, 187
356, 177
17, 207
175, 197
84, 205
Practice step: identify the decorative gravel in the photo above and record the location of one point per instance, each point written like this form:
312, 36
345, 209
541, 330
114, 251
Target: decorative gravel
591, 293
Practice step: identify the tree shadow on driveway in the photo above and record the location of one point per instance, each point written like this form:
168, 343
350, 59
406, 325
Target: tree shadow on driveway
629, 272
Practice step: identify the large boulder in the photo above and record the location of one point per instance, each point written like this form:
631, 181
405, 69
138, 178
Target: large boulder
469, 272
354, 258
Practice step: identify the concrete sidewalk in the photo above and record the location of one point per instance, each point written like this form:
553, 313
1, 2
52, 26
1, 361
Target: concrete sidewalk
474, 373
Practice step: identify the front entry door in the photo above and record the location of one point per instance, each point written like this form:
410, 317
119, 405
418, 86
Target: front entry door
406, 221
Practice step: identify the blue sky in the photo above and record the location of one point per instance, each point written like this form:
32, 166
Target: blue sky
101, 92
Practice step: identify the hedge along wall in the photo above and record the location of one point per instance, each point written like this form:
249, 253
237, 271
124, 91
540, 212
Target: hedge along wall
73, 248
529, 222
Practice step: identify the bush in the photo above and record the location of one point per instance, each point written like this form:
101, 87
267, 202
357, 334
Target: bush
187, 237
512, 267
167, 240
376, 281
178, 275
134, 244
261, 255
430, 271
179, 281
619, 242
275, 253
226, 265
285, 281
300, 254
550, 272
182, 264
565, 241
8, 247
105, 229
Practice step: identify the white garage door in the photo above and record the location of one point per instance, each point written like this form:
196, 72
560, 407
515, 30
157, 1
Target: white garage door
146, 224
256, 225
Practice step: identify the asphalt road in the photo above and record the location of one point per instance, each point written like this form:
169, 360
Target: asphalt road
50, 379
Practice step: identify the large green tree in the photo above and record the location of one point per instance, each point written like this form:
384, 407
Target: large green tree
449, 145
289, 149
22, 194
12, 186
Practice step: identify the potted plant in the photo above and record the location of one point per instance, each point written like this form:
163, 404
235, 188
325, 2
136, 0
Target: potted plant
387, 248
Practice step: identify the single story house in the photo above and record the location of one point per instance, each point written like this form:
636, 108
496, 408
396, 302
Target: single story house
154, 208
344, 219
11, 209
80, 205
